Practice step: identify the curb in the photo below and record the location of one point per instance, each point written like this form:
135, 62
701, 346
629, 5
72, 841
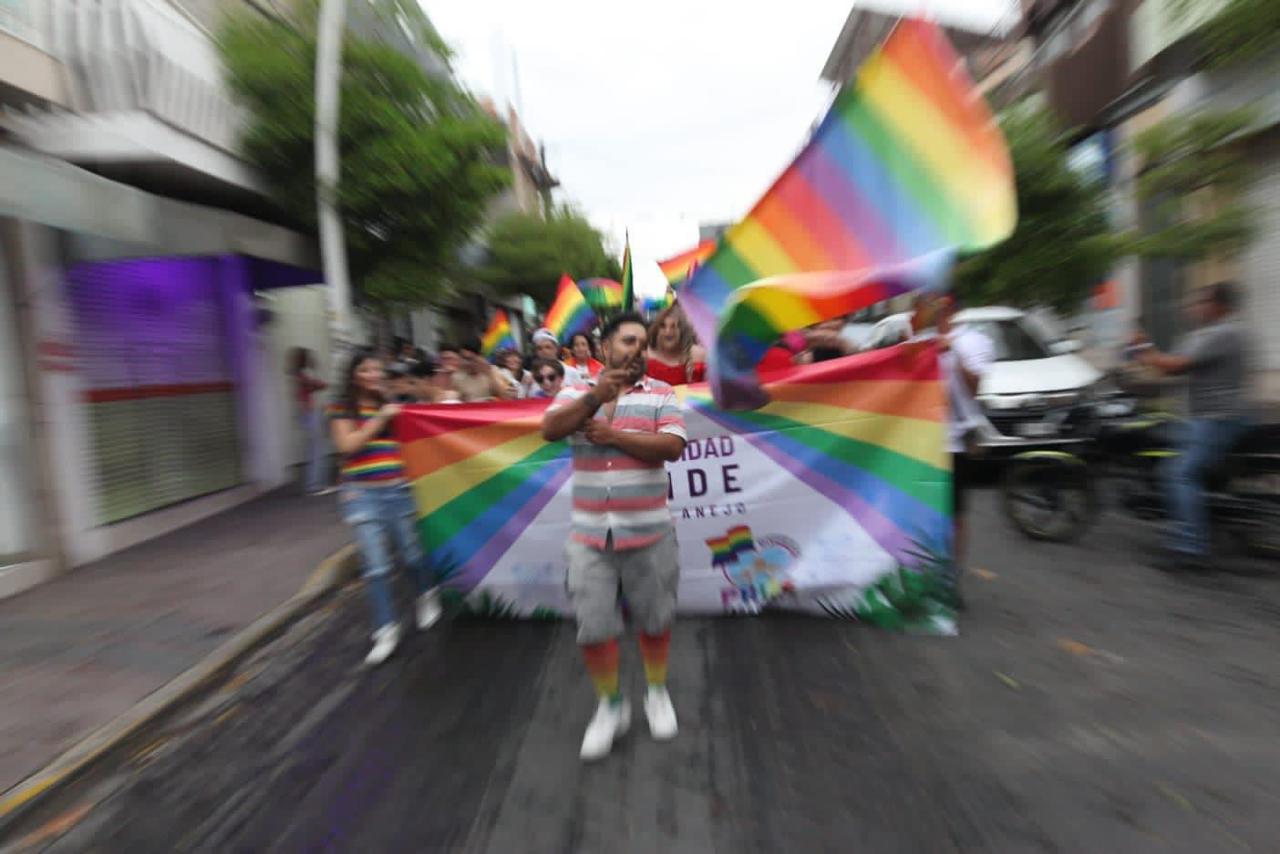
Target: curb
332, 573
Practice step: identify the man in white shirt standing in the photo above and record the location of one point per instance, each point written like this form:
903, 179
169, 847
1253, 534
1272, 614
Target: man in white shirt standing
966, 355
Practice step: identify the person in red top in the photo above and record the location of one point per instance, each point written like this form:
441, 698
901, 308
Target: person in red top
782, 354
674, 356
582, 355
306, 384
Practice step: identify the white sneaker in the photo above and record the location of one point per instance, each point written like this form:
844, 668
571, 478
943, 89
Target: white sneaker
385, 641
661, 714
611, 722
429, 609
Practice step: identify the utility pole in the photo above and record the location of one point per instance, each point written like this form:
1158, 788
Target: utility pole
333, 247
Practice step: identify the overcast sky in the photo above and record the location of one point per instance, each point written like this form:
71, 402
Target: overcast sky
662, 114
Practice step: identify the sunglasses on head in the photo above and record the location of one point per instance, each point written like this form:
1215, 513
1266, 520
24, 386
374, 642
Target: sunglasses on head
547, 378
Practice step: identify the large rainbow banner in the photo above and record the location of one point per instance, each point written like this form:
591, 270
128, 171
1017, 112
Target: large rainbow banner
834, 499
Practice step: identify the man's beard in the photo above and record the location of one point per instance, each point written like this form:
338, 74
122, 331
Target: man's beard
637, 366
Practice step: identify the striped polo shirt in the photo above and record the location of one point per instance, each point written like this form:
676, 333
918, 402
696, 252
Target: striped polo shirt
614, 493
379, 462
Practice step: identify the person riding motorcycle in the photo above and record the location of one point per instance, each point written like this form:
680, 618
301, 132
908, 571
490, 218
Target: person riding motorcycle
1214, 358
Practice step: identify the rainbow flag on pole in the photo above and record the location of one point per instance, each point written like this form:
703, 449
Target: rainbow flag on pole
628, 278
678, 268
601, 294
907, 168
569, 313
498, 336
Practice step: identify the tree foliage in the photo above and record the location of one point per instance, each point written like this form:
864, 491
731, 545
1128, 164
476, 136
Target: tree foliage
1191, 184
418, 155
528, 254
1063, 245
1239, 31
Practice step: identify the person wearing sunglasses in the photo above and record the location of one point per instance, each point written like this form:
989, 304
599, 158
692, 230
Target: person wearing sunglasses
548, 377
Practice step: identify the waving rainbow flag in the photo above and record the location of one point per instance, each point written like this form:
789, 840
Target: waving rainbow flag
601, 294
569, 313
498, 336
907, 168
678, 267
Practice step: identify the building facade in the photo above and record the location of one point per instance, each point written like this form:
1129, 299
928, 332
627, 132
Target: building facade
141, 289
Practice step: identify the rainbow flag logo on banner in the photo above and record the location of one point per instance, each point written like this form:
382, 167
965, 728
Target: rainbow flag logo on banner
834, 499
569, 312
907, 168
498, 336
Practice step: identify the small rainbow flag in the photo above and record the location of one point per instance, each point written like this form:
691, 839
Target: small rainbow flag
740, 539
678, 268
628, 278
569, 313
653, 305
498, 336
907, 168
601, 294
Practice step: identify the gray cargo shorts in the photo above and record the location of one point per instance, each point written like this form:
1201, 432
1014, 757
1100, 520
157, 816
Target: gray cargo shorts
647, 576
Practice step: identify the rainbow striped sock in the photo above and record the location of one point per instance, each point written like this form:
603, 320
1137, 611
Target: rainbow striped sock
602, 665
654, 650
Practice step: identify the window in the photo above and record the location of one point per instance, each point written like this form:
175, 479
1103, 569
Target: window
1013, 341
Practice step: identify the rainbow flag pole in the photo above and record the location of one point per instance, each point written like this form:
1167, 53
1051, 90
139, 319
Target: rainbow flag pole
498, 336
569, 312
907, 168
628, 283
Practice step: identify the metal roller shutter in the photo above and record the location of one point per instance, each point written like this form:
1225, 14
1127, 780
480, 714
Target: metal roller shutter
160, 401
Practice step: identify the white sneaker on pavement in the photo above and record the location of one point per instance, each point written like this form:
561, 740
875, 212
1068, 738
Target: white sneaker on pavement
660, 712
385, 641
429, 609
611, 722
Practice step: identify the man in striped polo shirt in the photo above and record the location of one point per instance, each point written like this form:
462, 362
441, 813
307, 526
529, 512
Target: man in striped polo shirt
623, 428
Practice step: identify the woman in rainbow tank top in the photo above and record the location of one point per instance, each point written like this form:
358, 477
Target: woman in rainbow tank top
376, 501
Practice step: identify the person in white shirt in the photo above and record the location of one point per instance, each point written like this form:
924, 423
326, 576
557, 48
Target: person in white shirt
547, 346
966, 356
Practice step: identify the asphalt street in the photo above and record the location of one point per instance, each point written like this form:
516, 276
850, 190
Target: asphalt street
1090, 703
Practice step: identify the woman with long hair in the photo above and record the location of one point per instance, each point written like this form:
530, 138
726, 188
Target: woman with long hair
376, 501
582, 355
675, 357
306, 384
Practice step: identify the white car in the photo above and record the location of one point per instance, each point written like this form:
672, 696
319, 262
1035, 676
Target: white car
1032, 374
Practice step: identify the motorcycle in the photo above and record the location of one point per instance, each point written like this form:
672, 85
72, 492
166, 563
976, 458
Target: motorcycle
1104, 451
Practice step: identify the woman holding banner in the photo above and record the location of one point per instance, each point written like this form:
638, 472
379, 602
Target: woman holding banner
376, 501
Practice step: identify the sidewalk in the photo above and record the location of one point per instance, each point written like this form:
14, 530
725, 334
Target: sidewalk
82, 649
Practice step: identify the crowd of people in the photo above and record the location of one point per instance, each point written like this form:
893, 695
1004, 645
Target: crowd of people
612, 399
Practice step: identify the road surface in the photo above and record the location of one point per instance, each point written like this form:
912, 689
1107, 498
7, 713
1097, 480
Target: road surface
1090, 703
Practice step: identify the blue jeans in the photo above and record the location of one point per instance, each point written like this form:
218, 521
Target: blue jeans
313, 429
1205, 443
382, 514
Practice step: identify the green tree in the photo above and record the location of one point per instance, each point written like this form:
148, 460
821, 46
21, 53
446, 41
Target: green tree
1063, 244
1236, 32
528, 254
1192, 181
417, 153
